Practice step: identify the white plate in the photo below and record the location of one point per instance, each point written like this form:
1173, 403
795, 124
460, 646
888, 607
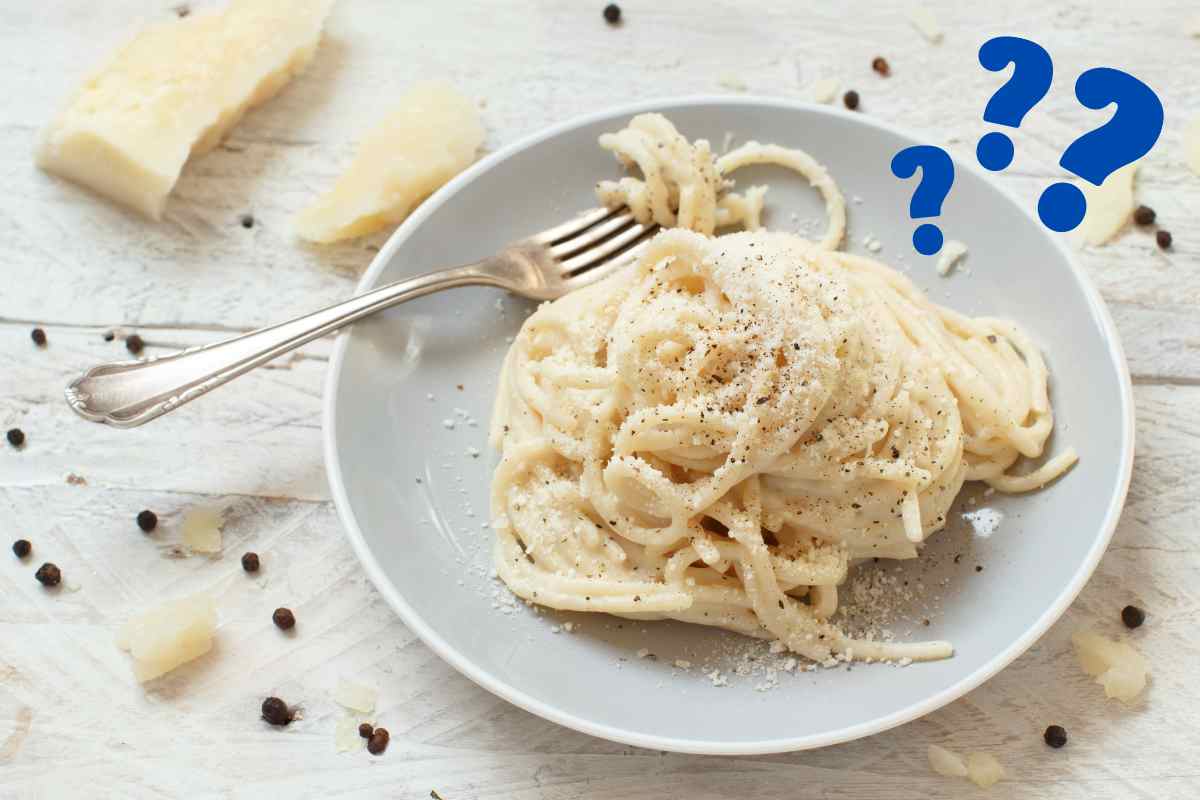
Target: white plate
422, 543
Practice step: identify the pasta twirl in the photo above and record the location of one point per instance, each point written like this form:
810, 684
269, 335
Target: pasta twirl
716, 434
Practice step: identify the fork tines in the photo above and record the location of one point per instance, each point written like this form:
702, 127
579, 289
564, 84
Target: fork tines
596, 237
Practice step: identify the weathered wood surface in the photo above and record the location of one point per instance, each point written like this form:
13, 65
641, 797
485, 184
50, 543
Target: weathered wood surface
73, 722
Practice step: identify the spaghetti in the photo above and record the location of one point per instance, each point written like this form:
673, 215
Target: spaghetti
716, 434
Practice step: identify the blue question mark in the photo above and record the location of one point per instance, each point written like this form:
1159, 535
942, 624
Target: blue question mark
1032, 72
937, 176
1125, 138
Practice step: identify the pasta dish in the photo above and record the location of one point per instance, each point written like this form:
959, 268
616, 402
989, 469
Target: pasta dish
717, 434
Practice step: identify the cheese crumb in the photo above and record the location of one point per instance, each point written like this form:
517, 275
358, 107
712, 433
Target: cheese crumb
946, 762
202, 530
953, 251
1116, 666
355, 696
1109, 207
345, 735
1191, 144
732, 82
824, 90
170, 635
925, 22
983, 769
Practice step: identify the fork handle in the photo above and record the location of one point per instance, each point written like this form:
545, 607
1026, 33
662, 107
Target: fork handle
126, 394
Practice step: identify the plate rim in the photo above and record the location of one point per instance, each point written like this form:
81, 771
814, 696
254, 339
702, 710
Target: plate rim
499, 687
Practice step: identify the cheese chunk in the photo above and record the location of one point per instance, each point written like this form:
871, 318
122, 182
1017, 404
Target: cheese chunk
175, 91
202, 530
172, 634
1109, 207
426, 141
1116, 666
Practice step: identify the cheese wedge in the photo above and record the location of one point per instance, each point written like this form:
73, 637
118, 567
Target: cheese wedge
172, 634
426, 141
174, 91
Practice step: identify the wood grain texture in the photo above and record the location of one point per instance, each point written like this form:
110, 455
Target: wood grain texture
71, 716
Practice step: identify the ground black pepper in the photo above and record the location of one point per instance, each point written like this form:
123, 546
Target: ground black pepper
247, 221
284, 619
365, 730
275, 711
250, 562
378, 741
880, 65
39, 337
1164, 239
21, 548
147, 520
1055, 736
48, 574
109, 336
134, 344
612, 14
850, 98
1132, 616
15, 436
979, 568
1144, 215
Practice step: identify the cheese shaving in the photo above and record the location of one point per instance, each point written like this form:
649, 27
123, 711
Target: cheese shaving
1109, 207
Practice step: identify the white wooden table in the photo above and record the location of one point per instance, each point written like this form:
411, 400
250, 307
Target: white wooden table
73, 723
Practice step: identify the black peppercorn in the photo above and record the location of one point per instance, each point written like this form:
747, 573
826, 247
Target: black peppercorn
284, 619
147, 520
21, 548
39, 337
1132, 616
612, 13
880, 65
48, 575
134, 343
365, 730
1055, 736
378, 741
1143, 215
850, 98
1163, 238
16, 437
250, 562
275, 711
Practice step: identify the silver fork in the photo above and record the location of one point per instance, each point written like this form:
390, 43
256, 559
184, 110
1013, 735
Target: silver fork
545, 266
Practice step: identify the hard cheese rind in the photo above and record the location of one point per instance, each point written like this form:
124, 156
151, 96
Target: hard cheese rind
426, 141
175, 91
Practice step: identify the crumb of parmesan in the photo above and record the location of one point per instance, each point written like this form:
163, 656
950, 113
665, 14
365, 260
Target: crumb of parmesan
1116, 666
926, 23
355, 696
953, 251
823, 91
946, 762
201, 530
732, 82
1191, 140
1109, 207
983, 769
